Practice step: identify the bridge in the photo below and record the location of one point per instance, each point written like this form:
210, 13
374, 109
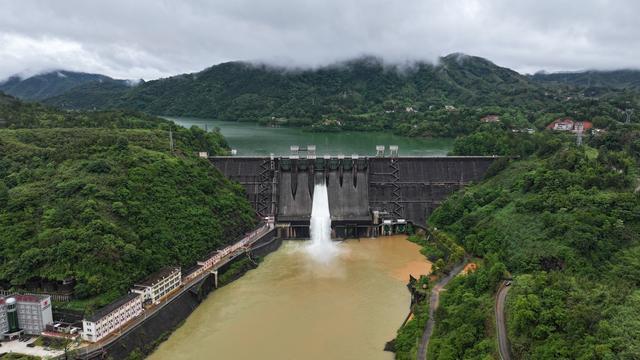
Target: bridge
365, 192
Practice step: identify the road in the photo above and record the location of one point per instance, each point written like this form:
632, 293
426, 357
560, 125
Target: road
137, 321
501, 327
433, 306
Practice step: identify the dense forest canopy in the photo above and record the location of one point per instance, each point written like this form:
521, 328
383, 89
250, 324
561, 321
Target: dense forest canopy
99, 196
421, 99
617, 79
241, 91
564, 221
54, 83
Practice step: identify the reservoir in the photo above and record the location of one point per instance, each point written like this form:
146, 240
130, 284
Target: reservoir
253, 139
292, 307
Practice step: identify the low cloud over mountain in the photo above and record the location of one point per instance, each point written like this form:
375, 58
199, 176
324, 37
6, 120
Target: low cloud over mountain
150, 39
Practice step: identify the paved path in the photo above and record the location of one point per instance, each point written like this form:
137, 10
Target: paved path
501, 327
433, 306
20, 347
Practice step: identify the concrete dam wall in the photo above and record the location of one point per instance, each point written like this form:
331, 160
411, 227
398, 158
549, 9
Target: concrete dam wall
412, 187
361, 189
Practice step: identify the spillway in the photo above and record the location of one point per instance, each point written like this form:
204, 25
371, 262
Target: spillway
321, 248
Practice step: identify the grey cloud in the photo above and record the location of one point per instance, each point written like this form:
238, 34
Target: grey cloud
150, 38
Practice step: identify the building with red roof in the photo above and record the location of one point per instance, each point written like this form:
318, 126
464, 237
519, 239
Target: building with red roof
568, 124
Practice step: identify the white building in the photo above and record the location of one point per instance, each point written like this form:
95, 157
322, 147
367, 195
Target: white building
193, 273
159, 284
111, 317
211, 259
4, 323
33, 313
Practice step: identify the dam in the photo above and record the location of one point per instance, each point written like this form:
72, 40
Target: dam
368, 195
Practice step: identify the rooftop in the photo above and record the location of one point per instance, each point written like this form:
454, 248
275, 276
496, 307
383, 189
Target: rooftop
158, 275
210, 255
191, 270
491, 118
25, 298
105, 310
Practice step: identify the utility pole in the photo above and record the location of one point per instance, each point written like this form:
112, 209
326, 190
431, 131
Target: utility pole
171, 140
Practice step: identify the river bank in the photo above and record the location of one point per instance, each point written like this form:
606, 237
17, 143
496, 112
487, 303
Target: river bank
146, 332
291, 306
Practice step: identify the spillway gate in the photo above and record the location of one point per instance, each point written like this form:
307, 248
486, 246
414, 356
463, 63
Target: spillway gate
363, 191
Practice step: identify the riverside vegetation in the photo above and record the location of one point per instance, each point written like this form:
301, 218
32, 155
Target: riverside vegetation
99, 196
564, 220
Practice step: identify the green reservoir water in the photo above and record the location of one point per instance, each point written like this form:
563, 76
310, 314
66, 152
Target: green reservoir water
253, 139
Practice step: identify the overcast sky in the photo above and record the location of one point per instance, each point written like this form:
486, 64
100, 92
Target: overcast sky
154, 38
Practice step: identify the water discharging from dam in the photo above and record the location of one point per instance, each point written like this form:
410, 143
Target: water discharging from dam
321, 248
314, 300
292, 307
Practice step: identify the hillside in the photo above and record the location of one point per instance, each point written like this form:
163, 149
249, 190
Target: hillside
89, 96
99, 197
54, 83
618, 79
245, 92
564, 222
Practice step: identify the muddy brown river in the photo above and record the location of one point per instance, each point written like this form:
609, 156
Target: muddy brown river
291, 307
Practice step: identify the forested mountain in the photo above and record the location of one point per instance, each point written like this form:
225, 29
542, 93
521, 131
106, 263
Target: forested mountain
246, 92
617, 79
563, 220
54, 83
90, 96
99, 197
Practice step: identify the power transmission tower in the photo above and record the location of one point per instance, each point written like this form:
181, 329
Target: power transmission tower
579, 138
580, 128
628, 113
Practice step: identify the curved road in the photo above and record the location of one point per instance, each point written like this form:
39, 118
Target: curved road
501, 327
433, 305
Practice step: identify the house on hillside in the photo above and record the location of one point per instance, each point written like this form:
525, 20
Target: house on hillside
159, 284
491, 119
565, 124
527, 130
568, 124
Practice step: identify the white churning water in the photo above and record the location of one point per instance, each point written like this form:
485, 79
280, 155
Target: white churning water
321, 248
